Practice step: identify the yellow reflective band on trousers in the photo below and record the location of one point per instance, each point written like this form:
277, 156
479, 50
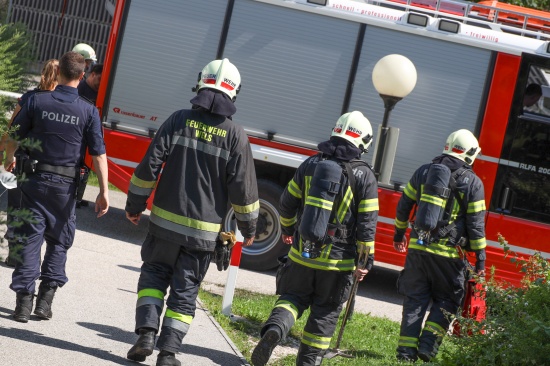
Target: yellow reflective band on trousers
477, 206
316, 341
408, 342
401, 224
179, 317
435, 248
368, 205
410, 191
288, 222
186, 221
287, 305
142, 183
322, 263
151, 292
150, 296
434, 328
248, 208
294, 189
319, 202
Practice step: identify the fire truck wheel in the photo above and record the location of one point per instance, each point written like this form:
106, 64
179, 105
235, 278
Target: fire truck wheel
268, 245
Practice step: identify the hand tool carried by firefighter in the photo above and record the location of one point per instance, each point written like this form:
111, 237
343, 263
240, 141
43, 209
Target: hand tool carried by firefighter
336, 351
222, 252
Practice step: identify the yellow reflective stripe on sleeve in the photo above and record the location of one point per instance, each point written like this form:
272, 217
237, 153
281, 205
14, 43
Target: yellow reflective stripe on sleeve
288, 222
287, 305
186, 221
401, 224
322, 263
478, 244
344, 206
246, 209
177, 316
477, 206
142, 183
319, 202
433, 200
368, 205
294, 189
316, 341
151, 292
410, 191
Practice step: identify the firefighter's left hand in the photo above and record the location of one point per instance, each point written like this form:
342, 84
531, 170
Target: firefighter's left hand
360, 273
400, 246
134, 218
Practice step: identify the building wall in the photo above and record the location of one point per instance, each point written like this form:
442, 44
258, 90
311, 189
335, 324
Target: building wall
58, 25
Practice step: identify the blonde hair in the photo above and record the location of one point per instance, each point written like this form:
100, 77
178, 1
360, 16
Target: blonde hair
48, 80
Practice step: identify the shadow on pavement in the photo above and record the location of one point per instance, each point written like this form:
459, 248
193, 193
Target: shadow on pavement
36, 338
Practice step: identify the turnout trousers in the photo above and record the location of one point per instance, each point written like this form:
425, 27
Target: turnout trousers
324, 292
168, 264
428, 278
50, 200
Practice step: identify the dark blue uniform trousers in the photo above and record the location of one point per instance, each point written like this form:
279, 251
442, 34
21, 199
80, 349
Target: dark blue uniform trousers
50, 200
168, 264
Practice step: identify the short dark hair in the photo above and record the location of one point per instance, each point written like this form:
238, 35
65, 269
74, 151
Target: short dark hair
533, 89
97, 69
72, 65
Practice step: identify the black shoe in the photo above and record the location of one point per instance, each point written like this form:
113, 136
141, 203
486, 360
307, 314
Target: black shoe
23, 307
265, 346
166, 358
424, 356
406, 358
144, 345
44, 301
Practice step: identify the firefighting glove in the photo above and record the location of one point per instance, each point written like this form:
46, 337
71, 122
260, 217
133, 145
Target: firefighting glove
222, 252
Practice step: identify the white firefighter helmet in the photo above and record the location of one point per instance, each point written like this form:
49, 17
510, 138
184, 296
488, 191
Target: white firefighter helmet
86, 51
221, 75
462, 144
355, 128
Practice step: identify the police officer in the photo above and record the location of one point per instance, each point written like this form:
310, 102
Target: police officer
434, 270
63, 125
206, 161
320, 276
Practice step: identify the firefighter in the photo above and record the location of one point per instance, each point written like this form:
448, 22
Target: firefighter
434, 270
206, 161
64, 125
88, 53
320, 276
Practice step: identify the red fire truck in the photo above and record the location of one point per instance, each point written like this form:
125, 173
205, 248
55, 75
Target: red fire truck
305, 62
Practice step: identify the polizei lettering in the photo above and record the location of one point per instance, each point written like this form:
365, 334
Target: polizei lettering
60, 117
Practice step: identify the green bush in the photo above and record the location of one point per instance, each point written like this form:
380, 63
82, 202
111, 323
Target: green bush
516, 330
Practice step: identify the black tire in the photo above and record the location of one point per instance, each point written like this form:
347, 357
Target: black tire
268, 245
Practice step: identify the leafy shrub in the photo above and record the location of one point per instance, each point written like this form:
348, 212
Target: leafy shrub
516, 330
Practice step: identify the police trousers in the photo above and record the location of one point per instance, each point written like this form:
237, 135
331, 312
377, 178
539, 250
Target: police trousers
428, 278
50, 200
324, 292
169, 265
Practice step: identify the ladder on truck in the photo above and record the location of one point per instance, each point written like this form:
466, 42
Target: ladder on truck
487, 14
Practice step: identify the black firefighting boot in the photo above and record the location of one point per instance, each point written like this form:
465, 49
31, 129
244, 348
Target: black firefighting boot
44, 301
266, 345
23, 307
166, 358
407, 354
144, 345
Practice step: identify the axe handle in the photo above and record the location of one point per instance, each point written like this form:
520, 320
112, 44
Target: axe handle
361, 264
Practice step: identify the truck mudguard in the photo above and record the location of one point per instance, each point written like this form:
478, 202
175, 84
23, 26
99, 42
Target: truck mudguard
433, 198
325, 185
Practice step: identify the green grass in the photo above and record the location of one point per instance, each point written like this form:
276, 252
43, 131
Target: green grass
371, 340
92, 181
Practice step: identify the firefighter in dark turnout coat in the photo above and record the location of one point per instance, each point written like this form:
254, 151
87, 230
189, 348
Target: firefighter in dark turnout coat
434, 270
206, 162
320, 277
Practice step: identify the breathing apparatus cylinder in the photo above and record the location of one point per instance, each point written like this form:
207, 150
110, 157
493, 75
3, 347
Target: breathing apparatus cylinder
325, 185
433, 199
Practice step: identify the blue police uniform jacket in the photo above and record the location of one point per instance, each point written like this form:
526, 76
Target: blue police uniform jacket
64, 124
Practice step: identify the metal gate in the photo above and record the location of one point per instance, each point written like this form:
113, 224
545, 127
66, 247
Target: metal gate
58, 25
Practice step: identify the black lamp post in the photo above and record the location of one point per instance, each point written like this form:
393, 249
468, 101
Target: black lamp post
394, 77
